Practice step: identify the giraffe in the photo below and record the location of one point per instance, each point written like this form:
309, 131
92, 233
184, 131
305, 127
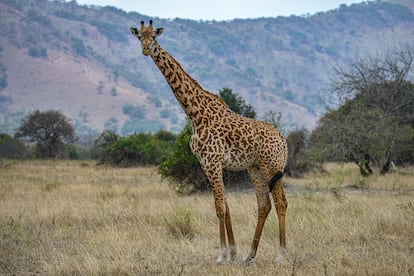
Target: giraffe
222, 139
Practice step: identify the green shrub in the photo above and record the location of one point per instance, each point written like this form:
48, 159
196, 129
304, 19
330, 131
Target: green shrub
136, 149
182, 166
11, 148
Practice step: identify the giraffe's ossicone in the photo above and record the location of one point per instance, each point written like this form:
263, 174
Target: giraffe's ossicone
222, 139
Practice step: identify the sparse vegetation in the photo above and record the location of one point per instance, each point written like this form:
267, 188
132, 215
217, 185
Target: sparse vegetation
35, 52
78, 47
61, 217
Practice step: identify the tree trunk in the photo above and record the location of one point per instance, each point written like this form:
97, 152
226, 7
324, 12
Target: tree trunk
386, 168
364, 166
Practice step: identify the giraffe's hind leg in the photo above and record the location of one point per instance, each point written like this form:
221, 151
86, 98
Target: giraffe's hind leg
264, 206
230, 236
281, 206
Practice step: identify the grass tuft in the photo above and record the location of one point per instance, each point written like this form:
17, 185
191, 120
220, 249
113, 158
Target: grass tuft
179, 223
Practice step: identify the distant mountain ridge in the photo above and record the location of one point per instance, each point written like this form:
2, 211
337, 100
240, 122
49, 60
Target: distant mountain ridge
83, 60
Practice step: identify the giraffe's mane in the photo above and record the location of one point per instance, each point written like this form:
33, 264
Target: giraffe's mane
211, 95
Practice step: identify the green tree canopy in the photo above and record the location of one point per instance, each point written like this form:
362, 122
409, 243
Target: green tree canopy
237, 103
50, 131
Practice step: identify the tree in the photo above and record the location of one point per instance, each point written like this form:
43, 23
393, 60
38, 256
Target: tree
105, 139
237, 103
50, 131
376, 117
297, 163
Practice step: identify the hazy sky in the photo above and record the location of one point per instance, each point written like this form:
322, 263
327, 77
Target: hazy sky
221, 9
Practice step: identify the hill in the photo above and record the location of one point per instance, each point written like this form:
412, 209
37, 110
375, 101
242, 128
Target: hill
82, 60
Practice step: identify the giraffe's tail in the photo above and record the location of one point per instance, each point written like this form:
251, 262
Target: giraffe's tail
278, 175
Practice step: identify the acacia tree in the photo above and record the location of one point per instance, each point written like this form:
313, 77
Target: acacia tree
50, 131
376, 119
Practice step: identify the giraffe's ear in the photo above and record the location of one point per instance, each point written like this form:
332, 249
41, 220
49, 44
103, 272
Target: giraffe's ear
159, 31
134, 30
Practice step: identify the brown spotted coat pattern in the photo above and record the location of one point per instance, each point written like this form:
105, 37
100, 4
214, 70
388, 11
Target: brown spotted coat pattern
222, 139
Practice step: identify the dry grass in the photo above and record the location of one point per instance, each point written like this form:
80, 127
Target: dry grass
75, 218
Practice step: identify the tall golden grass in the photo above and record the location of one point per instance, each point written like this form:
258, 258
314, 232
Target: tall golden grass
60, 218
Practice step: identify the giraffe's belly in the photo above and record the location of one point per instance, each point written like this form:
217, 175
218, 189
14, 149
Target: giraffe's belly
236, 160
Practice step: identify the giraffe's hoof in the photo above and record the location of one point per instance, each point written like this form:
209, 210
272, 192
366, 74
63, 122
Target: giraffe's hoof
282, 257
246, 261
232, 255
221, 259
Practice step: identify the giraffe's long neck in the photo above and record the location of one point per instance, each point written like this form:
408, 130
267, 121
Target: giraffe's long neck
192, 97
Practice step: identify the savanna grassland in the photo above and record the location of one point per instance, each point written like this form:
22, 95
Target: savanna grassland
61, 218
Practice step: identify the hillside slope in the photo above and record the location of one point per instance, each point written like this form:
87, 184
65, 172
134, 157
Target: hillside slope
82, 60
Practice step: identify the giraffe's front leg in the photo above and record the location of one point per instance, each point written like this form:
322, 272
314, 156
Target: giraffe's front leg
230, 236
214, 173
220, 204
223, 248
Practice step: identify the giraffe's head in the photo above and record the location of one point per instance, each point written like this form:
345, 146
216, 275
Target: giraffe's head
147, 37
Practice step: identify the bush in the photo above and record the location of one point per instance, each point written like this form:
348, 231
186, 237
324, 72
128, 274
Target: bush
182, 166
136, 149
11, 148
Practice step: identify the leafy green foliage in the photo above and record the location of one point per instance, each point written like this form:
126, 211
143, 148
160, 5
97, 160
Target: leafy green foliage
182, 165
50, 131
135, 149
297, 162
237, 103
11, 148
